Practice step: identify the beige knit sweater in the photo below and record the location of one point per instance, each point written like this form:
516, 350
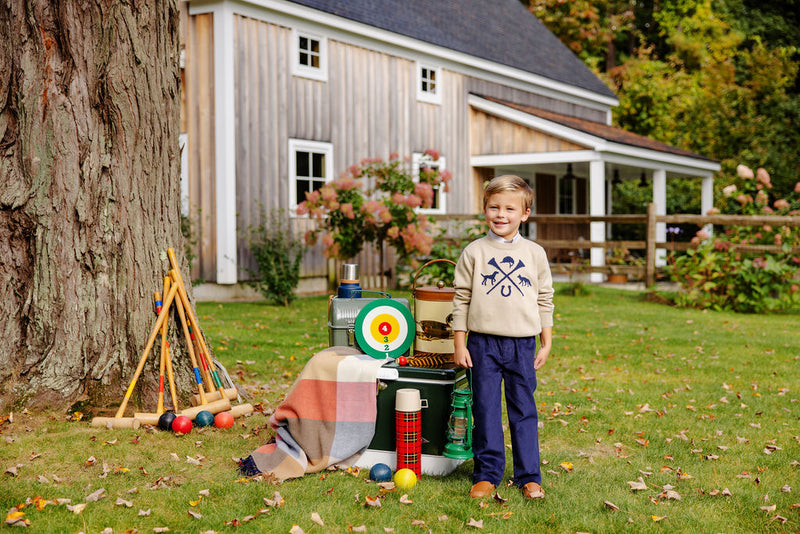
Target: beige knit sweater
503, 289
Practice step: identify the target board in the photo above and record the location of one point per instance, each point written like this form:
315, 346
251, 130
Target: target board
383, 329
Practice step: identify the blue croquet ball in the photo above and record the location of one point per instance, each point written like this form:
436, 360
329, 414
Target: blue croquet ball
204, 418
380, 473
165, 421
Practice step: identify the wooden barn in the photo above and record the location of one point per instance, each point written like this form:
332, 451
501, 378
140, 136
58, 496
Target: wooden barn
281, 96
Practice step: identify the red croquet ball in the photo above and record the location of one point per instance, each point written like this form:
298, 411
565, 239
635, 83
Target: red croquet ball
182, 425
223, 420
402, 360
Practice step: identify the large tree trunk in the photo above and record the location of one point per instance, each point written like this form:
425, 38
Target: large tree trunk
89, 192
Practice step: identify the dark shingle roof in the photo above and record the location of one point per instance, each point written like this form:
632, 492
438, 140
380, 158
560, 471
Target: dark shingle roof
502, 31
604, 131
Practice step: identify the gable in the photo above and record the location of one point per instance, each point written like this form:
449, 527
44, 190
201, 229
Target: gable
494, 135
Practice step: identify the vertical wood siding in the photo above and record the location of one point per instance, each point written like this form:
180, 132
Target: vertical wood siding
493, 135
199, 76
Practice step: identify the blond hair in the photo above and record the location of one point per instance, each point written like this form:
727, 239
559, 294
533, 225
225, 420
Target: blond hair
510, 183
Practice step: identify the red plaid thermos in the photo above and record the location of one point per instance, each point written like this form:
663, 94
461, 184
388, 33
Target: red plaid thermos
408, 430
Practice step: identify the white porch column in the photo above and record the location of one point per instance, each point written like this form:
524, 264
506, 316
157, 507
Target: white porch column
225, 143
597, 207
707, 200
660, 200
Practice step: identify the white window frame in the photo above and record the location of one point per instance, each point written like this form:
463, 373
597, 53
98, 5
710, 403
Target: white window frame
298, 69
431, 97
302, 145
417, 159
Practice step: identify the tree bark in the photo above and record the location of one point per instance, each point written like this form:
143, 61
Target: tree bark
89, 192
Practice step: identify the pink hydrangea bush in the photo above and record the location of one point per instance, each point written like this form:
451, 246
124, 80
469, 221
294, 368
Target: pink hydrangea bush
376, 201
733, 270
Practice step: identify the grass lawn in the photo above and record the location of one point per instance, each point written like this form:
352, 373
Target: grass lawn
699, 410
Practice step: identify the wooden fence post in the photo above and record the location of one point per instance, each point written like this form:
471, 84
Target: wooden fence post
650, 251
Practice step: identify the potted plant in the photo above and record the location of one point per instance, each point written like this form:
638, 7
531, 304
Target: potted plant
616, 258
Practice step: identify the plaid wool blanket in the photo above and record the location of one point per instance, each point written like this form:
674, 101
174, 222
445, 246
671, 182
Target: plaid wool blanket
327, 417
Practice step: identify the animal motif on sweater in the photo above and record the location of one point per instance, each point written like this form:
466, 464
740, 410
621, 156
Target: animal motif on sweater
505, 267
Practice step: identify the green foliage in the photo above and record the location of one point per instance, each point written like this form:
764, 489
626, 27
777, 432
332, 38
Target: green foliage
278, 254
718, 274
717, 77
376, 202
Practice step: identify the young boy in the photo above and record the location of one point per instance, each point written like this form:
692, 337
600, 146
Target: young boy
504, 297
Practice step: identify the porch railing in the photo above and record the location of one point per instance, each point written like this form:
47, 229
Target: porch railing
649, 270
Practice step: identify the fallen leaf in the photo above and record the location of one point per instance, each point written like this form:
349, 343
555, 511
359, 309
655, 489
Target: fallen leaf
144, 513
204, 493
160, 529
374, 502
638, 484
443, 517
786, 489
317, 519
91, 460
276, 501
12, 471
670, 494
96, 495
418, 523
195, 503
42, 479
475, 524
770, 508
123, 502
360, 528
405, 500
194, 514
15, 518
658, 518
77, 508
566, 466
611, 506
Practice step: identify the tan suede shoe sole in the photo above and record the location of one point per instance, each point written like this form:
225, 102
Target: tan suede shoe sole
532, 490
483, 488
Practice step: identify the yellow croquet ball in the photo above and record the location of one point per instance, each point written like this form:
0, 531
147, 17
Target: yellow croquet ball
405, 479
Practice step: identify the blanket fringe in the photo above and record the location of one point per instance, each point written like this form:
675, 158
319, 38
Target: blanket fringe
247, 467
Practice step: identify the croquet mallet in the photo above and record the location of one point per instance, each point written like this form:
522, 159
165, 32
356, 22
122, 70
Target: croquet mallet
123, 422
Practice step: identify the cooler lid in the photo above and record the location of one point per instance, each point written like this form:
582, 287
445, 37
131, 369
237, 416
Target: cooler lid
405, 372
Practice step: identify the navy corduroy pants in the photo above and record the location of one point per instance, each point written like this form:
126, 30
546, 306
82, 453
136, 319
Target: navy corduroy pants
506, 360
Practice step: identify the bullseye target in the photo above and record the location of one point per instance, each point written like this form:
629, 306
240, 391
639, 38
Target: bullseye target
383, 329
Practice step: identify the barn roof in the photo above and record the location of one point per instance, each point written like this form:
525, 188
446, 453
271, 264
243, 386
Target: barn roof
501, 31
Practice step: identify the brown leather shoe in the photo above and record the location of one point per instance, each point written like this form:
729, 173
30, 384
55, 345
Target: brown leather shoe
483, 488
532, 490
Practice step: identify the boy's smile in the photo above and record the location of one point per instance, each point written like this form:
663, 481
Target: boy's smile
504, 213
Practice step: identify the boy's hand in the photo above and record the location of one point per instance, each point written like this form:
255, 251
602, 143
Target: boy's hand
541, 357
546, 339
461, 355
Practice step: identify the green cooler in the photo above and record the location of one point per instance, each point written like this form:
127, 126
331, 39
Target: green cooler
435, 387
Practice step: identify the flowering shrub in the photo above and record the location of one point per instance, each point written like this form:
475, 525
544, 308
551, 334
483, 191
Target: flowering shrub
376, 202
719, 274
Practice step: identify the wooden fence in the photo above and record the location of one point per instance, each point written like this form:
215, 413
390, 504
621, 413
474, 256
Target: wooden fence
648, 270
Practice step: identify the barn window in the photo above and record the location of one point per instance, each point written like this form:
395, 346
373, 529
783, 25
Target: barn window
420, 163
310, 56
310, 167
429, 84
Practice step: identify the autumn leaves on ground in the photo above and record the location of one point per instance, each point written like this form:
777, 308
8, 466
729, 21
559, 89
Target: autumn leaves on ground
654, 419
